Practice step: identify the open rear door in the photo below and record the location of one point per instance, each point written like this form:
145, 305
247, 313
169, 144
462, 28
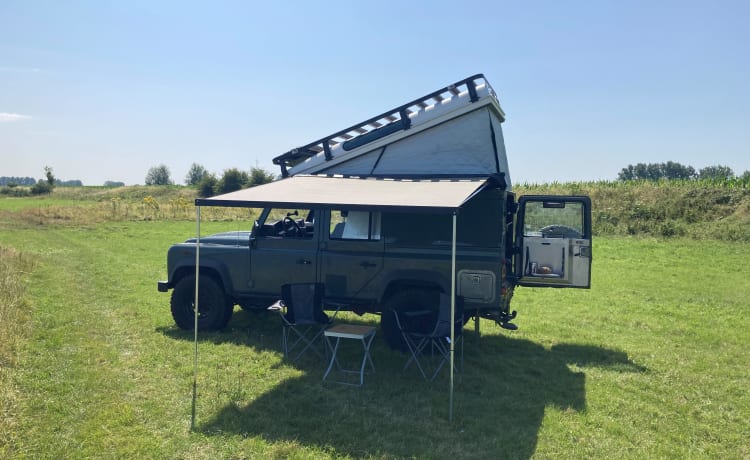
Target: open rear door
553, 241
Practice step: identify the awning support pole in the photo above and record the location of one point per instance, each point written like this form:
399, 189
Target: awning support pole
453, 313
195, 324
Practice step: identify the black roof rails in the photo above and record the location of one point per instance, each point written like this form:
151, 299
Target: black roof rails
386, 123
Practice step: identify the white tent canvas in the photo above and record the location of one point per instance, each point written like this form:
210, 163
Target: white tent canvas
452, 131
462, 145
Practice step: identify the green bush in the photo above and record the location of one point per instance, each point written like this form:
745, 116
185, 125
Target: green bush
207, 186
232, 180
41, 188
14, 191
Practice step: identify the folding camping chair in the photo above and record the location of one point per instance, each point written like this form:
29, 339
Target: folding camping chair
438, 338
303, 318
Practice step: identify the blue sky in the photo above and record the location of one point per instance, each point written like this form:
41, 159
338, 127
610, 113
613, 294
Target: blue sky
104, 90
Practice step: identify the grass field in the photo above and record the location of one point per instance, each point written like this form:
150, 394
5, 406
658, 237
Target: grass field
649, 363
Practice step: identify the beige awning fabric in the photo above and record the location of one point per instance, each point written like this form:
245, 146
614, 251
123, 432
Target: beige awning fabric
432, 196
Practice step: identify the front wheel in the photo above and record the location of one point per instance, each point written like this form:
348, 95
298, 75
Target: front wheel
214, 310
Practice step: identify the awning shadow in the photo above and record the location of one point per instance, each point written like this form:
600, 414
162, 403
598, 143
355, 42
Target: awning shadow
499, 403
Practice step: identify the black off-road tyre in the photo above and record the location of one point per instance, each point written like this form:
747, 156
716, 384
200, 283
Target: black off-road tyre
413, 299
214, 308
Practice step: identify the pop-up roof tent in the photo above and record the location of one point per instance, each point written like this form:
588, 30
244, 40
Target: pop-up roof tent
455, 129
435, 196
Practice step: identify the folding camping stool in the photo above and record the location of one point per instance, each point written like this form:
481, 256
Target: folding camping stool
438, 338
303, 319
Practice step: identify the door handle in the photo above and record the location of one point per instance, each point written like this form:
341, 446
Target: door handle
304, 262
366, 264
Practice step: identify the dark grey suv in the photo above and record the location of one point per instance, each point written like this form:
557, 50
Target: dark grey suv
377, 258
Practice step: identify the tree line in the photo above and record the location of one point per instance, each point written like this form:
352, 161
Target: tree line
209, 184
10, 181
40, 187
676, 171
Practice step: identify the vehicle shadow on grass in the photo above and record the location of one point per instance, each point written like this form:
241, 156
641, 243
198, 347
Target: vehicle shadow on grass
257, 329
499, 403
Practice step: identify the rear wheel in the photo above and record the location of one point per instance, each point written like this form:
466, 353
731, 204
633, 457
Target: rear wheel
214, 310
408, 300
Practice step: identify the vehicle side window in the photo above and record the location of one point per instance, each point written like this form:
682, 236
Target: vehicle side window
480, 224
289, 223
417, 229
354, 225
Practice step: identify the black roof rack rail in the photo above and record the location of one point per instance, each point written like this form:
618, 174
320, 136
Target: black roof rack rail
381, 125
497, 178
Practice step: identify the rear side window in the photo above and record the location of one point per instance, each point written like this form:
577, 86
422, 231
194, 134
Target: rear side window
354, 225
480, 224
417, 229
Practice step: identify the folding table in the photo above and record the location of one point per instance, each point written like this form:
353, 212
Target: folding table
365, 334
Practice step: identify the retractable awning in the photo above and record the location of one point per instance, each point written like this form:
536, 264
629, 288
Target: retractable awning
438, 196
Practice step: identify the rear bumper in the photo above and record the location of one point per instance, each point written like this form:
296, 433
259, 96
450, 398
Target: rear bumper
162, 286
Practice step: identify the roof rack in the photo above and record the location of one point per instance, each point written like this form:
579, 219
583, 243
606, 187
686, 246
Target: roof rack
381, 125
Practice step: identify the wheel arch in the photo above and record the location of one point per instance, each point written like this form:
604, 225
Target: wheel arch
414, 279
216, 271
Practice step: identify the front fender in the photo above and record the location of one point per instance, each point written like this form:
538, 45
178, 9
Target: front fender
208, 267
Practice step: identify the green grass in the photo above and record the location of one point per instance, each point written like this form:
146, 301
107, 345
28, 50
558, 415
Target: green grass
15, 314
649, 363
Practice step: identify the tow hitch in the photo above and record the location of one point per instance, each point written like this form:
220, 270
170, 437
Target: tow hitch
503, 319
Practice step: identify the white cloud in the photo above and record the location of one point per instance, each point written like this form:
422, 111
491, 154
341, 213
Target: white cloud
8, 117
